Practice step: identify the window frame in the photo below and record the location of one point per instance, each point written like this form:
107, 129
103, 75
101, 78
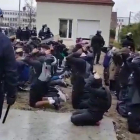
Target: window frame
68, 22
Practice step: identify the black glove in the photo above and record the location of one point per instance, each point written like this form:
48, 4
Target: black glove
11, 100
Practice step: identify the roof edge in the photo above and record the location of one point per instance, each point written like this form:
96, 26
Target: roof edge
78, 2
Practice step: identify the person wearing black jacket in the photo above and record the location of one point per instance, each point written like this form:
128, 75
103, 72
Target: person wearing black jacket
19, 33
129, 42
27, 34
48, 34
99, 99
97, 42
34, 32
98, 103
8, 71
78, 66
42, 32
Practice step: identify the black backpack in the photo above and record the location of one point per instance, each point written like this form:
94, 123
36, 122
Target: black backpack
122, 109
134, 122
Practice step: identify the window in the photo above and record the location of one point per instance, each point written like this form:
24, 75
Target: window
122, 20
65, 28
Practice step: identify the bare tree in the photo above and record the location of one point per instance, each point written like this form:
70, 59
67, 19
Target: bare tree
137, 17
30, 11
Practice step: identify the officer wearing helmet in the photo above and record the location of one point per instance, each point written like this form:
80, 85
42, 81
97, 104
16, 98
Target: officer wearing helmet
42, 32
129, 42
8, 71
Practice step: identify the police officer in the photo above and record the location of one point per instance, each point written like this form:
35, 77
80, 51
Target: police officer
34, 32
97, 42
8, 71
19, 33
129, 42
42, 32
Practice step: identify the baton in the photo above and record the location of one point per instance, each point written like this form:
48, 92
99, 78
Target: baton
1, 104
5, 116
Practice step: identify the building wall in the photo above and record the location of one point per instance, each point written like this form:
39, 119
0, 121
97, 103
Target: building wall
113, 20
123, 20
50, 13
11, 18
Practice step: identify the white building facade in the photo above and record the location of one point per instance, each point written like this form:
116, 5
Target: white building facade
76, 19
11, 19
123, 21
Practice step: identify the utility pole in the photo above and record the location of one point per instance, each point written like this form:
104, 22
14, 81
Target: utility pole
19, 12
130, 14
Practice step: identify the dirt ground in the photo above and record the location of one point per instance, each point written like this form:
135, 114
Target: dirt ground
120, 123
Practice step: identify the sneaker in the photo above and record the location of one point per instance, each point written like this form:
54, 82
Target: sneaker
57, 103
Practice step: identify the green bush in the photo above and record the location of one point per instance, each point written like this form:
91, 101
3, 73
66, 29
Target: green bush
117, 44
135, 30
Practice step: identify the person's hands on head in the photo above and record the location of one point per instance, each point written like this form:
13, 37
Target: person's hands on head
84, 48
51, 47
34, 51
48, 51
80, 51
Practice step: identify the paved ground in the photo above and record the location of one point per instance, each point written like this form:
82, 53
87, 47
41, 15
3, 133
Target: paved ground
40, 125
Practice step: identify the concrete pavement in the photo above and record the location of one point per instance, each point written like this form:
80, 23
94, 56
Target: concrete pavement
41, 125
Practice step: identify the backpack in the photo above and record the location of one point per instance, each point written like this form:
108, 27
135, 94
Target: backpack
134, 122
25, 74
106, 61
122, 109
123, 94
45, 75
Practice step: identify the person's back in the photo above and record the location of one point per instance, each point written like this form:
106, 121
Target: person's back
19, 33
42, 32
8, 71
33, 32
27, 34
99, 99
129, 42
97, 41
6, 32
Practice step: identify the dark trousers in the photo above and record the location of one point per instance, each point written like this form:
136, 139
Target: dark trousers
96, 53
84, 118
106, 76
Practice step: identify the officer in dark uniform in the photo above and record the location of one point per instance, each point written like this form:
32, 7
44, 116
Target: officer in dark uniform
34, 32
27, 34
97, 42
129, 42
8, 71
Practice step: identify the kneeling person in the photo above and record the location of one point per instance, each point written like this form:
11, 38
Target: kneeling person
99, 103
40, 82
